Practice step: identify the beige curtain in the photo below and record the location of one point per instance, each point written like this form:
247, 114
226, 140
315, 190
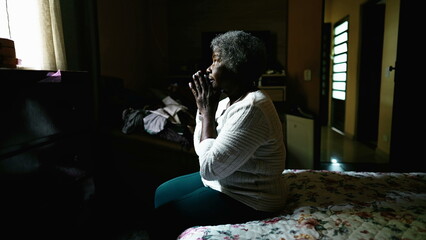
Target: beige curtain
52, 35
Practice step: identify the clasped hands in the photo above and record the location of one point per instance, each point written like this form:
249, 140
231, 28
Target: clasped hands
206, 96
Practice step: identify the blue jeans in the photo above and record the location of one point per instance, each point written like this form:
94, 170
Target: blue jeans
184, 202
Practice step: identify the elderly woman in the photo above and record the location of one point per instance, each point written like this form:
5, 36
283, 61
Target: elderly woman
238, 140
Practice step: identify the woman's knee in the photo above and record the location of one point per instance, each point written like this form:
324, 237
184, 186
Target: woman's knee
176, 188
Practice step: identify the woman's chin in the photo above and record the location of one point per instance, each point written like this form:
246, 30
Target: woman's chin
214, 84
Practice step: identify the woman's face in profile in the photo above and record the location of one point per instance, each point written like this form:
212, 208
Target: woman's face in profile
219, 76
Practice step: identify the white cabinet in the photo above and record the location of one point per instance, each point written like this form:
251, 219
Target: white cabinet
299, 142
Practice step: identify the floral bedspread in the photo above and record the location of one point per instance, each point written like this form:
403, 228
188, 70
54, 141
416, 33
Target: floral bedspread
337, 205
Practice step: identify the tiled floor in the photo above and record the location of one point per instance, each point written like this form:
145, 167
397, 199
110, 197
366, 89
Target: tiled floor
340, 153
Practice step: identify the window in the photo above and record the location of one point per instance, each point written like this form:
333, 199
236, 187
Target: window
35, 26
340, 60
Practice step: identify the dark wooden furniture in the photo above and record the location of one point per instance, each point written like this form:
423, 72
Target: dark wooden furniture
46, 162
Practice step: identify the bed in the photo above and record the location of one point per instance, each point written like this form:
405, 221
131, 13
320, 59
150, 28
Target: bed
337, 205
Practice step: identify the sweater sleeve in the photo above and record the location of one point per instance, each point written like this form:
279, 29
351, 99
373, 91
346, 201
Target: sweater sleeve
244, 130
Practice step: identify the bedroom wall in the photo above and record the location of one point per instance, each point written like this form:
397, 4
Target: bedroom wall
145, 41
187, 20
133, 41
304, 52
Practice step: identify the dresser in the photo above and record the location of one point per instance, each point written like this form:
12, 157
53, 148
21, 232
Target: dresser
46, 132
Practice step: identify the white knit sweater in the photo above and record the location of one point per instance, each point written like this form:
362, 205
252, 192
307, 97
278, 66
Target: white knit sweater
247, 158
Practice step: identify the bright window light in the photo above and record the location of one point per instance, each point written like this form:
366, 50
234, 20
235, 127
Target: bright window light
340, 48
339, 76
341, 28
340, 58
341, 95
24, 21
341, 38
339, 86
341, 67
4, 28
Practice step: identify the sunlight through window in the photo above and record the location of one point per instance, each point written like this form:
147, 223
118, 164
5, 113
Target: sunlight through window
4, 28
340, 48
25, 30
35, 27
339, 76
339, 86
340, 67
342, 27
340, 59
341, 95
341, 38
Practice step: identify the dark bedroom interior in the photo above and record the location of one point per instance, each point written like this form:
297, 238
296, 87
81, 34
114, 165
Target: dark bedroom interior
78, 162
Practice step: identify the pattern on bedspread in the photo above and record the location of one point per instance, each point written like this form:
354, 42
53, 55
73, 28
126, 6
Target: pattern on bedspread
337, 205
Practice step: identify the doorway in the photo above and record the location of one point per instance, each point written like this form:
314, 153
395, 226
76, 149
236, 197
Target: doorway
371, 50
339, 74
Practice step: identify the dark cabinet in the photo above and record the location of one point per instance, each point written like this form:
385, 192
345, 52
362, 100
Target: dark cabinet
46, 159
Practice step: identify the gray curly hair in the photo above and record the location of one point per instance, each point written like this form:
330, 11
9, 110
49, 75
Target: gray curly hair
241, 53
